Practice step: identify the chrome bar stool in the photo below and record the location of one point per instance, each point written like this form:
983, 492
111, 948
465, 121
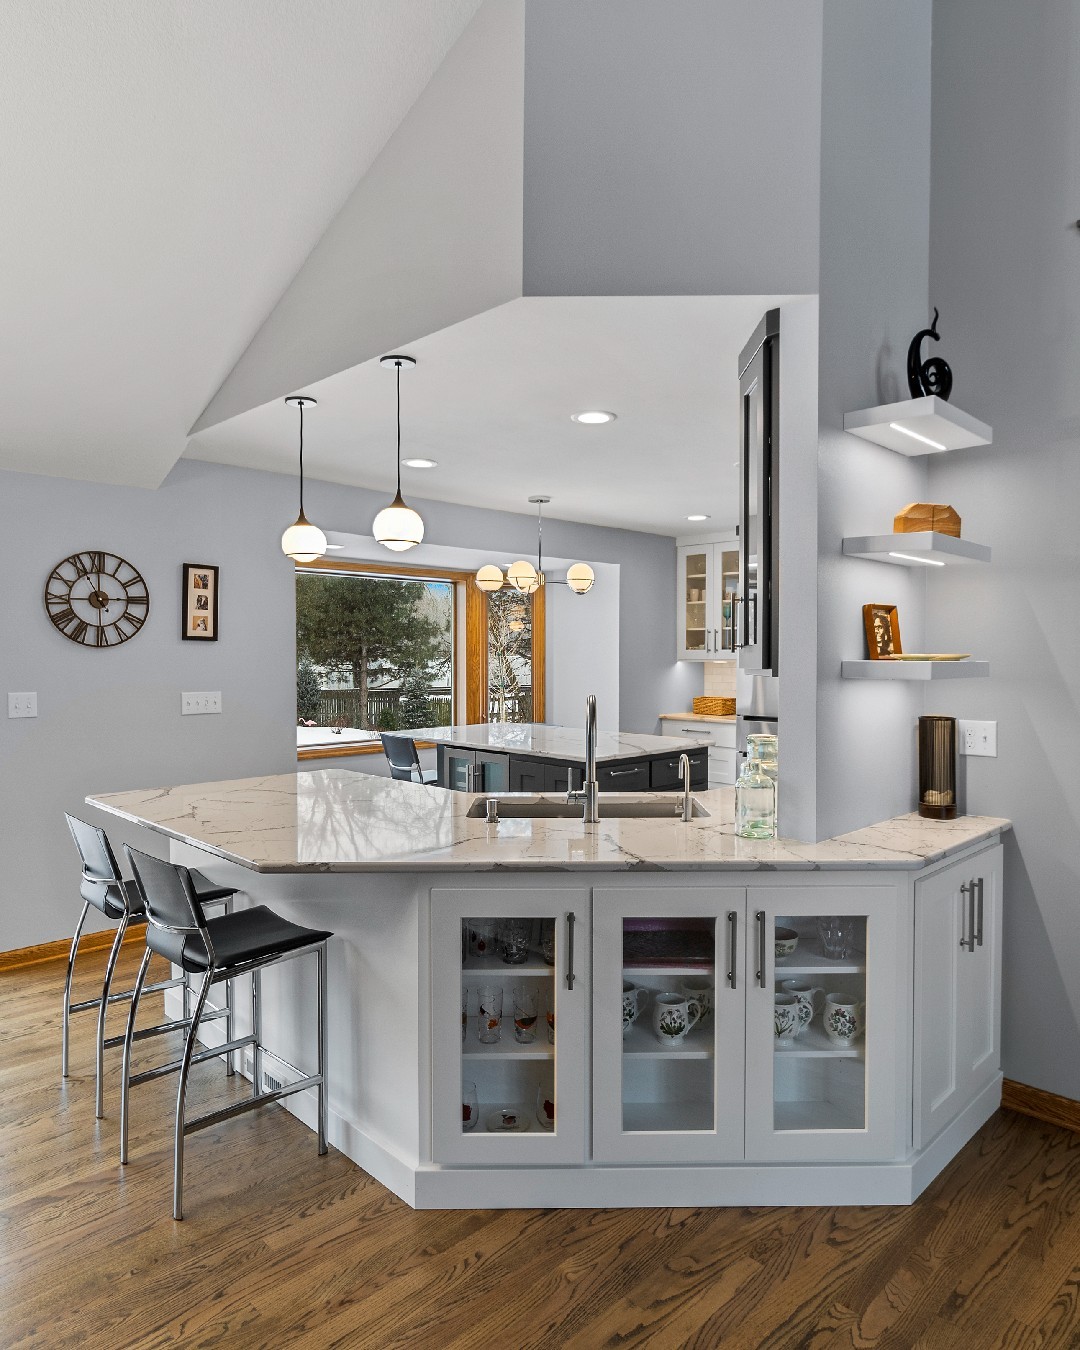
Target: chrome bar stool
103, 888
242, 943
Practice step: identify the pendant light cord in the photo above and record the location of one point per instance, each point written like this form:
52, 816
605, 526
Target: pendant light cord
539, 539
398, 366
301, 406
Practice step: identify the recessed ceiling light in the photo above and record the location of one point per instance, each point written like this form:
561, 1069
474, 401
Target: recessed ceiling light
698, 517
421, 463
593, 418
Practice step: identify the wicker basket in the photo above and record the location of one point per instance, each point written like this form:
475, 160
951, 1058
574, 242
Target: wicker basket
714, 707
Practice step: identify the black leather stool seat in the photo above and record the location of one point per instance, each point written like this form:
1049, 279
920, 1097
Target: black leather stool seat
248, 935
105, 895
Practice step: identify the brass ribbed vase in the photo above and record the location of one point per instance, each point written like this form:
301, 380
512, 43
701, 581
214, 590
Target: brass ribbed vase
937, 767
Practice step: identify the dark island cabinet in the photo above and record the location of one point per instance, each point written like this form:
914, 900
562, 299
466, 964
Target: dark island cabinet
478, 771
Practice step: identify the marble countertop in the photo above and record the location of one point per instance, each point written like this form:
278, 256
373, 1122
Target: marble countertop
338, 820
543, 741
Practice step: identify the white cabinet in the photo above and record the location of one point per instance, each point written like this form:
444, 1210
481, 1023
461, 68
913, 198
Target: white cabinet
733, 1088
519, 1085
818, 1095
957, 997
708, 576
721, 737
672, 1101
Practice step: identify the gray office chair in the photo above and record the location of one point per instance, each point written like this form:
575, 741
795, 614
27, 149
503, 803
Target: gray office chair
404, 761
120, 901
217, 950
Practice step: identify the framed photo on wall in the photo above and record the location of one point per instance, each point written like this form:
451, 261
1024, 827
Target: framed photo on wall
199, 603
882, 632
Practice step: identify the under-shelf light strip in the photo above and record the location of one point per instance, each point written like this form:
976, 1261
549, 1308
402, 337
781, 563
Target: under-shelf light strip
936, 445
910, 557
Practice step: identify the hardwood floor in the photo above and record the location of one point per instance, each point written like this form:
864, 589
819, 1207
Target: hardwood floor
283, 1248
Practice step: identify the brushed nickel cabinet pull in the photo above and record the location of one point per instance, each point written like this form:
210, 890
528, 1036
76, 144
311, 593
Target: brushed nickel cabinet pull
760, 916
733, 924
979, 918
571, 918
967, 939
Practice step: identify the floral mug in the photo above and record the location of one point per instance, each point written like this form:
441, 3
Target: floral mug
811, 1000
845, 1018
786, 1024
634, 999
699, 990
673, 1017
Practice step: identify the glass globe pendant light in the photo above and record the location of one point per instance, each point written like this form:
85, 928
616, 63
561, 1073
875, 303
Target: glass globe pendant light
524, 577
397, 526
302, 541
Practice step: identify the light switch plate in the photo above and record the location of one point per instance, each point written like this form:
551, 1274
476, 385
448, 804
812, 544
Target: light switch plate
22, 705
978, 738
200, 703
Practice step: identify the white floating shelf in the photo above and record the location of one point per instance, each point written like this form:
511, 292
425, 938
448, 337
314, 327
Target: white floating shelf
918, 426
914, 670
923, 548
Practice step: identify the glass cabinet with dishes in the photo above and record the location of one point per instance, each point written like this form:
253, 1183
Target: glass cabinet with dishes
668, 1017
708, 586
822, 1032
509, 1024
733, 1024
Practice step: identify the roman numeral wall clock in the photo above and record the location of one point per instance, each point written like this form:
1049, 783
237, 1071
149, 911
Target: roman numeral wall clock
96, 599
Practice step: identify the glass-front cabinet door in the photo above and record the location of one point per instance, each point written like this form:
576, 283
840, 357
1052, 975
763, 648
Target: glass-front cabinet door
668, 1024
823, 1035
510, 990
695, 603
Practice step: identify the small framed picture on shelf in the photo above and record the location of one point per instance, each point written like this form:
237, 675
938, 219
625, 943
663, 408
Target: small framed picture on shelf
882, 632
199, 603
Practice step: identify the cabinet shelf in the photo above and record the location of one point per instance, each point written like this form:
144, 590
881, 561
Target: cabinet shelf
914, 670
918, 426
640, 1042
922, 547
814, 1043
495, 965
667, 1117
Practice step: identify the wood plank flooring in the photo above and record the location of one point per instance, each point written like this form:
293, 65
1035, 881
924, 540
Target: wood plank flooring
283, 1248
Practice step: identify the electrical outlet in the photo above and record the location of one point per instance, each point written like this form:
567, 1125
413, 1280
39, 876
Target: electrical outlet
200, 703
22, 705
978, 738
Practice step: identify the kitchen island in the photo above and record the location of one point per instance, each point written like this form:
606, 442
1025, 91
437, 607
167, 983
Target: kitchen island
538, 757
890, 935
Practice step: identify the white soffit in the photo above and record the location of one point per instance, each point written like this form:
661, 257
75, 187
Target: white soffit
491, 400
168, 167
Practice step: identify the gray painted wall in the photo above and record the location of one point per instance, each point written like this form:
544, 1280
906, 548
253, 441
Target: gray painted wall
1006, 274
111, 720
875, 220
671, 149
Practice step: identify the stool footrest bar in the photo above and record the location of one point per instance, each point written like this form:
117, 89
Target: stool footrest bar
215, 1053
249, 1104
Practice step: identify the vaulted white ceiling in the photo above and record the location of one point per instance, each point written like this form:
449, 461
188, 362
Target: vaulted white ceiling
167, 168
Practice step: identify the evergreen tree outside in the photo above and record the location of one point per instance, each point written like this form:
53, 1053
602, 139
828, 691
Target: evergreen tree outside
369, 628
308, 700
416, 709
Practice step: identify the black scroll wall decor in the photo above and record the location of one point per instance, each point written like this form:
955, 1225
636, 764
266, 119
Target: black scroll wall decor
932, 376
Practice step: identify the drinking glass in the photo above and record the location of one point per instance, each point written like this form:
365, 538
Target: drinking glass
489, 998
837, 933
464, 1010
470, 1107
545, 1107
551, 1019
481, 937
547, 941
525, 1003
515, 941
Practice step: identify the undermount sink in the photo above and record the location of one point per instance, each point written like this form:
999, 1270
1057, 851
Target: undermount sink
613, 806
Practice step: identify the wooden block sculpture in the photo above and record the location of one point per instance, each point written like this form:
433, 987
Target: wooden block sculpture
918, 516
